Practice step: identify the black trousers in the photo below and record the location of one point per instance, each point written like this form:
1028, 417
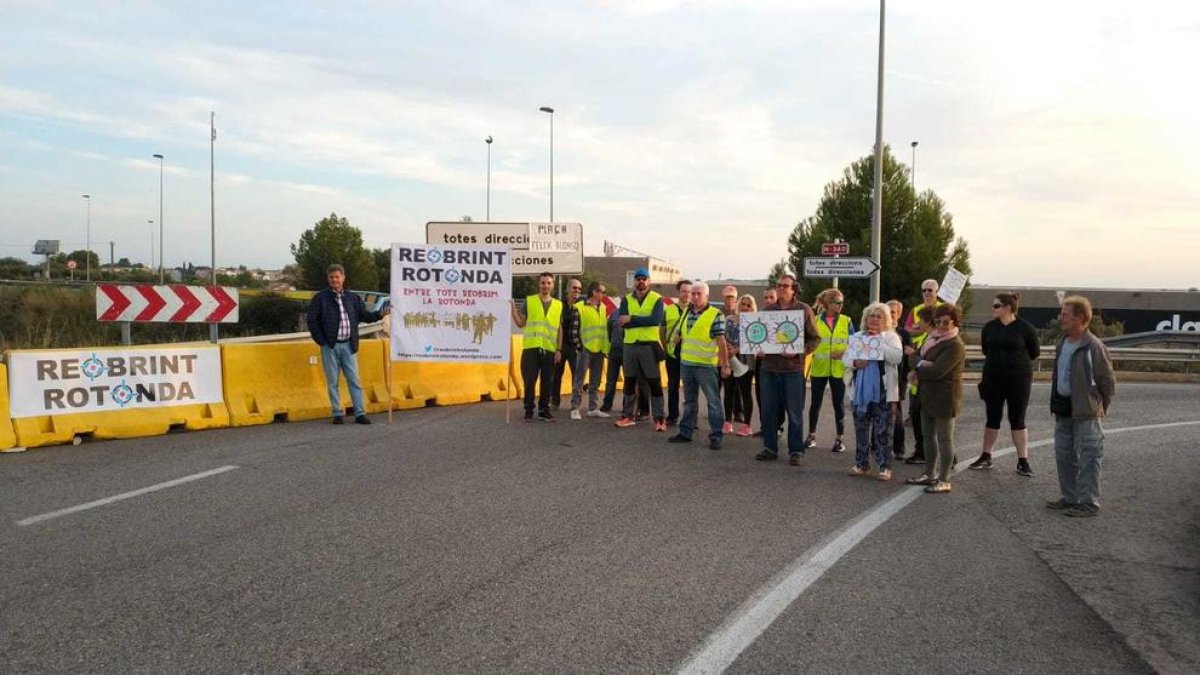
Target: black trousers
537, 364
837, 392
673, 375
914, 410
568, 357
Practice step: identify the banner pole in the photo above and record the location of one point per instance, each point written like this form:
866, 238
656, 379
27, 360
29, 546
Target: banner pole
387, 363
508, 393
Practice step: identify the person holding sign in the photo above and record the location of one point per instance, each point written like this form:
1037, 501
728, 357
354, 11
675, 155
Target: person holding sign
333, 317
938, 368
827, 369
929, 298
782, 377
875, 354
641, 314
542, 345
590, 331
703, 357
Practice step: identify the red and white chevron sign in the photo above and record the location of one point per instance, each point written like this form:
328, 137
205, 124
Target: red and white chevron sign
174, 304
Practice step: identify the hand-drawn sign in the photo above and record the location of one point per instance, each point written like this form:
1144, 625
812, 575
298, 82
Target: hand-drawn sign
776, 332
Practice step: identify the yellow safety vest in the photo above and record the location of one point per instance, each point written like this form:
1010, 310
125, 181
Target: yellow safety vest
643, 308
917, 341
699, 347
823, 362
541, 328
593, 327
912, 313
671, 315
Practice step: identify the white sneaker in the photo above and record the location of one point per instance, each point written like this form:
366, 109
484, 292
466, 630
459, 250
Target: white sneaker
575, 414
598, 413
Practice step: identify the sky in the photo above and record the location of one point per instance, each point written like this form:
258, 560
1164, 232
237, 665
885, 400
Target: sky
1062, 135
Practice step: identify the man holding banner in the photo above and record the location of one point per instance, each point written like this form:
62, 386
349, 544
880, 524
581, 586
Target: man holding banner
333, 318
542, 345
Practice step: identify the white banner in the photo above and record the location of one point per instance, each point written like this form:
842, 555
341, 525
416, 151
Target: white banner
103, 380
451, 303
952, 286
774, 332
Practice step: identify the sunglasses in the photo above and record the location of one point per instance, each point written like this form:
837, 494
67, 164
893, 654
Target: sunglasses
946, 323
997, 305
928, 290
835, 302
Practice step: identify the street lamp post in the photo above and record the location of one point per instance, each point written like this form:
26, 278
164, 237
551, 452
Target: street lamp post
88, 251
912, 171
550, 111
877, 198
488, 217
161, 273
151, 222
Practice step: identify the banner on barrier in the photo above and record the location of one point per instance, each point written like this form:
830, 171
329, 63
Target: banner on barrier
451, 303
104, 380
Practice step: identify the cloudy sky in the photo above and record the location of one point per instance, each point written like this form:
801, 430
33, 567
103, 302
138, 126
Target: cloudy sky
1063, 135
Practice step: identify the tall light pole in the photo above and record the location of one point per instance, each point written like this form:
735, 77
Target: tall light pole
161, 271
212, 206
488, 217
877, 198
550, 111
912, 170
88, 252
151, 222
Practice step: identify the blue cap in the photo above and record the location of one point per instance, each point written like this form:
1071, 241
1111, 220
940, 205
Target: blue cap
641, 272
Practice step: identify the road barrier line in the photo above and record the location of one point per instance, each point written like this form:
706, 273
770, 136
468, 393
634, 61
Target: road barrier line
754, 616
124, 495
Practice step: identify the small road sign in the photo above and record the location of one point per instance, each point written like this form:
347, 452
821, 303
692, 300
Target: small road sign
70, 264
850, 268
168, 304
835, 248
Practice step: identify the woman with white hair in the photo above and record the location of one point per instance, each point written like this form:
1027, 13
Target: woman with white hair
874, 355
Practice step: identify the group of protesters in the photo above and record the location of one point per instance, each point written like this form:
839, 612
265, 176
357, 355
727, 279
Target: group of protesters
919, 360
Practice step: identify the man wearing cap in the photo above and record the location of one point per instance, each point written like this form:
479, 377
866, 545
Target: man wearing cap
674, 314
782, 378
641, 314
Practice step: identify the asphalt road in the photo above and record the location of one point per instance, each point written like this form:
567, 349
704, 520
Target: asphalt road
452, 542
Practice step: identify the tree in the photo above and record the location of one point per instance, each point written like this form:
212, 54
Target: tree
334, 240
918, 234
15, 268
81, 257
382, 258
777, 270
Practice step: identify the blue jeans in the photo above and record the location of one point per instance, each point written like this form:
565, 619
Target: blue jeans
782, 391
873, 435
697, 379
1079, 452
337, 359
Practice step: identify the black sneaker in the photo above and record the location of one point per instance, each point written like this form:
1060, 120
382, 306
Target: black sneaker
1059, 504
766, 456
362, 419
528, 415
714, 444
984, 462
545, 416
679, 438
810, 442
838, 446
1024, 469
339, 420
1082, 511
915, 459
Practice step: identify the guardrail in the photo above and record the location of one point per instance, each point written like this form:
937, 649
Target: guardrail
1127, 354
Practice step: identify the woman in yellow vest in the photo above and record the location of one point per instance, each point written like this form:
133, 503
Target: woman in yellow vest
835, 329
590, 323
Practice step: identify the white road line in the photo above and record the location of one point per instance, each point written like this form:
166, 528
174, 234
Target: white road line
124, 495
754, 616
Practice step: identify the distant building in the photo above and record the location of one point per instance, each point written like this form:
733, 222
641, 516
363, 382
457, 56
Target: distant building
1140, 310
617, 271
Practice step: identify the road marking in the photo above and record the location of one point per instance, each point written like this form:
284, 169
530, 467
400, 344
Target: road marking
124, 495
756, 614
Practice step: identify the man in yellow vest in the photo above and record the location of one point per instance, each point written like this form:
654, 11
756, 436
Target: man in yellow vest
590, 332
704, 359
835, 329
929, 299
673, 313
641, 314
542, 345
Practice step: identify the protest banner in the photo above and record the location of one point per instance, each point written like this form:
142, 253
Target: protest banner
863, 347
60, 382
952, 286
775, 332
450, 304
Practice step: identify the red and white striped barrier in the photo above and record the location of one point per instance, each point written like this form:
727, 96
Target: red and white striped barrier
173, 304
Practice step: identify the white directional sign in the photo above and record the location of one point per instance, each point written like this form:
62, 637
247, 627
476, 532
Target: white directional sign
537, 247
849, 268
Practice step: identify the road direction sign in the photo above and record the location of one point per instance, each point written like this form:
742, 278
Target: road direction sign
849, 268
835, 248
537, 247
167, 304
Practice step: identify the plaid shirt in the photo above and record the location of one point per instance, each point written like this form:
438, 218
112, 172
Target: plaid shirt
343, 333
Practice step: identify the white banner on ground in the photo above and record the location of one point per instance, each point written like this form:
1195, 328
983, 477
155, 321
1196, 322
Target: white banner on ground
61, 382
451, 303
952, 286
775, 332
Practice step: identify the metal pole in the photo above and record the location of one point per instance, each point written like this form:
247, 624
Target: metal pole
88, 252
160, 221
112, 247
836, 240
212, 200
488, 217
877, 199
550, 111
912, 172
151, 222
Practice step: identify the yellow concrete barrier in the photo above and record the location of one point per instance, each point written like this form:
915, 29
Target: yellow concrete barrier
417, 383
8, 438
283, 381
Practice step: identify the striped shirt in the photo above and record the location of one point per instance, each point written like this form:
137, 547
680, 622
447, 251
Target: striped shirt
343, 333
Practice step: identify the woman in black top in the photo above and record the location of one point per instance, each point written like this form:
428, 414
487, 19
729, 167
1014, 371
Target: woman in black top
1010, 346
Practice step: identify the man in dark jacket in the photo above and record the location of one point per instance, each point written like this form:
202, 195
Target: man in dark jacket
333, 318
